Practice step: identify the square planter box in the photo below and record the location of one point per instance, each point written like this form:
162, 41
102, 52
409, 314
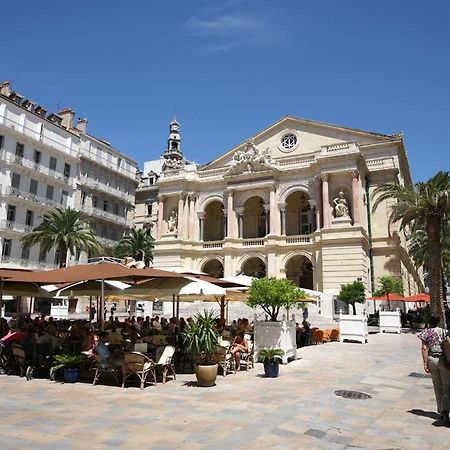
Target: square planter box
276, 334
390, 322
353, 328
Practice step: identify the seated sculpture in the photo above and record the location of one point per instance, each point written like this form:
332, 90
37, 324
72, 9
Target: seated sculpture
340, 206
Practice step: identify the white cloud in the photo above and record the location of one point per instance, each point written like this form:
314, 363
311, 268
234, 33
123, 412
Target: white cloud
218, 25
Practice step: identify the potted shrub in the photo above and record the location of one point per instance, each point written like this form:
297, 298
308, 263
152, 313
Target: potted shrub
201, 339
71, 365
271, 358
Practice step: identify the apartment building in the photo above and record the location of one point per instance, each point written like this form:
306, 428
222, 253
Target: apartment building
48, 161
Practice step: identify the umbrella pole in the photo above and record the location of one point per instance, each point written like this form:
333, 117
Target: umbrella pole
1, 298
102, 307
222, 308
178, 308
90, 309
173, 305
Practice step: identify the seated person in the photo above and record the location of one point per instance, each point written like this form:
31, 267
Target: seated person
115, 336
240, 345
49, 338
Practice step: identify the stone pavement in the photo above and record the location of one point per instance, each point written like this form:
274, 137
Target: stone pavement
298, 410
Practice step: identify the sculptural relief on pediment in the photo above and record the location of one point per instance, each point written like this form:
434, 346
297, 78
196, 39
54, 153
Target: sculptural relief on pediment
251, 159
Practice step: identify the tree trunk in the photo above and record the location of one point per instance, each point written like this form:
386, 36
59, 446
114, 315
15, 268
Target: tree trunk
433, 227
62, 258
354, 308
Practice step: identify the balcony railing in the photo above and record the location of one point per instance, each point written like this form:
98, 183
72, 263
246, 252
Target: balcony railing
15, 226
32, 198
19, 161
254, 242
213, 244
106, 242
93, 184
28, 263
96, 212
299, 239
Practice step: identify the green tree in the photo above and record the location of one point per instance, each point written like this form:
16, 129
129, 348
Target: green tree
428, 205
352, 293
271, 294
66, 231
388, 285
138, 244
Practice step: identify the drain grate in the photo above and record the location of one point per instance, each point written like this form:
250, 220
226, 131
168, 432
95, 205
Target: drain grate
419, 375
353, 395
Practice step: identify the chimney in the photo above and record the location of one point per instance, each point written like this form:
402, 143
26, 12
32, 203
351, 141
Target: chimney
5, 88
82, 125
67, 116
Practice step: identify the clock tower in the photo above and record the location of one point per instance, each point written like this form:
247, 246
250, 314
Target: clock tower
173, 156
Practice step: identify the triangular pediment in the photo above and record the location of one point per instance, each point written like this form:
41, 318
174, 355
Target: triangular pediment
291, 136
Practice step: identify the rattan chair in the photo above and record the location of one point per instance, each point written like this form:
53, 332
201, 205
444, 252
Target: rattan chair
225, 359
138, 364
164, 360
104, 367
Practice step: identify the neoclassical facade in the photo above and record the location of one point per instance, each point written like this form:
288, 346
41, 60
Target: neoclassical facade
292, 201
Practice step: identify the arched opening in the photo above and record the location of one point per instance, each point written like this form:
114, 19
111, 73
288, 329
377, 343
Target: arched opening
214, 268
254, 219
254, 267
299, 269
300, 216
214, 222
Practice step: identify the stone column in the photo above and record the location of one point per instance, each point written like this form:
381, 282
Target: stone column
225, 223
318, 203
282, 207
326, 201
268, 215
195, 223
230, 210
273, 210
240, 217
201, 222
355, 195
187, 210
160, 216
180, 217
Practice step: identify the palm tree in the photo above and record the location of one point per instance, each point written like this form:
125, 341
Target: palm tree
65, 230
138, 244
427, 205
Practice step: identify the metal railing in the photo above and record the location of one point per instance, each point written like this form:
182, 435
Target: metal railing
90, 210
28, 263
94, 184
15, 226
33, 198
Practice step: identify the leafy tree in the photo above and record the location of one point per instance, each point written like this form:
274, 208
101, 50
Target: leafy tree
388, 285
271, 294
138, 244
352, 293
428, 205
65, 230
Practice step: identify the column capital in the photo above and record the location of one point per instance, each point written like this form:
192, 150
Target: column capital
282, 206
325, 177
267, 207
239, 209
201, 214
354, 173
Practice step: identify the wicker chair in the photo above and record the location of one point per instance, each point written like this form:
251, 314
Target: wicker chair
138, 364
247, 358
224, 358
104, 367
18, 360
164, 360
334, 334
317, 336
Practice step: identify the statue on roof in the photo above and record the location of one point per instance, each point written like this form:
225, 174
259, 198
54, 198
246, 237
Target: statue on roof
251, 159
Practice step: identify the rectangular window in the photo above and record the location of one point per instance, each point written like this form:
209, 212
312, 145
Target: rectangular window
105, 205
6, 249
11, 213
64, 197
29, 218
103, 232
66, 170
19, 150
119, 162
116, 209
114, 234
42, 255
52, 164
2, 140
33, 187
50, 192
149, 209
26, 253
83, 198
37, 157
94, 202
15, 180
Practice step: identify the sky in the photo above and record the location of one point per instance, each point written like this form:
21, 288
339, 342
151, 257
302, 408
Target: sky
230, 68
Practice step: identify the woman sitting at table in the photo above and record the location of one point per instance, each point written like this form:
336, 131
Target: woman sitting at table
240, 345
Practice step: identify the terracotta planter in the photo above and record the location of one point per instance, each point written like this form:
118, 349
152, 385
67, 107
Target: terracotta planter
206, 374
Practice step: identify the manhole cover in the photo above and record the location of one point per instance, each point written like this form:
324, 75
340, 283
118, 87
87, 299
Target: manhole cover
419, 375
353, 395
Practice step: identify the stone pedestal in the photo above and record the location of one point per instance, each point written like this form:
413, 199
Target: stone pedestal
341, 221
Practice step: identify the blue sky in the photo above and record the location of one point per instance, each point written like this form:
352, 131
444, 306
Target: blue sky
229, 68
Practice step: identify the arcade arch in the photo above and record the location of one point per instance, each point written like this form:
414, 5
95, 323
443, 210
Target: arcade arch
300, 214
299, 269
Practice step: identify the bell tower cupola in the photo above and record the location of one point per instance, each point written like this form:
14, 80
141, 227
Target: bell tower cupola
173, 156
